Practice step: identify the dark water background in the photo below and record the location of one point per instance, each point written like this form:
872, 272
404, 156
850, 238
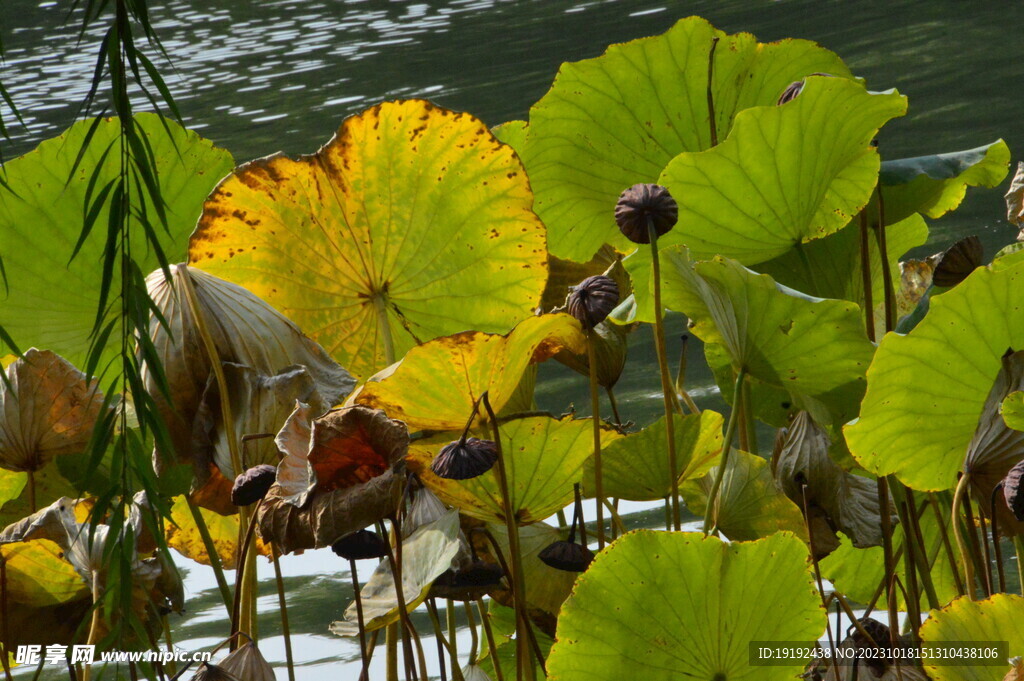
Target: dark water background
264, 76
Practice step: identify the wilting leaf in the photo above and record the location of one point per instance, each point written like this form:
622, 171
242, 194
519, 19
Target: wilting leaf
426, 553
636, 467
748, 505
611, 342
927, 389
247, 662
808, 346
1015, 198
972, 623
183, 536
436, 385
934, 185
47, 408
740, 201
849, 502
610, 122
355, 460
44, 211
662, 606
247, 332
543, 457
411, 213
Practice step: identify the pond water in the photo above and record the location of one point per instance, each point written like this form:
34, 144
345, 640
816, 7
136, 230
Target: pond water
259, 76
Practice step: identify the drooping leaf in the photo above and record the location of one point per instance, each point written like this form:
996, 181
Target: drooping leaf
749, 505
661, 606
741, 200
543, 458
610, 122
967, 623
636, 467
412, 214
435, 385
44, 213
183, 536
247, 662
426, 553
936, 184
926, 390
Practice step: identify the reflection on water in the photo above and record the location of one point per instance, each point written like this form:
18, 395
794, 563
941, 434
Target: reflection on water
262, 76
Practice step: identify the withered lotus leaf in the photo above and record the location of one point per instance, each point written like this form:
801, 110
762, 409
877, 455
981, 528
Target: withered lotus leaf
1015, 199
849, 502
247, 663
245, 330
1013, 493
47, 408
354, 467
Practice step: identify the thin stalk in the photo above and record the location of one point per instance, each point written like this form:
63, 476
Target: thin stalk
1018, 547
31, 484
384, 327
4, 629
474, 644
947, 546
730, 433
614, 404
666, 382
821, 584
518, 579
916, 563
442, 644
988, 558
865, 273
172, 668
562, 522
492, 647
972, 538
961, 489
359, 616
711, 97
370, 647
449, 614
577, 517
996, 548
618, 527
595, 408
668, 515
910, 570
211, 553
240, 574
887, 553
285, 630
883, 254
403, 613
924, 561
680, 385
94, 625
749, 421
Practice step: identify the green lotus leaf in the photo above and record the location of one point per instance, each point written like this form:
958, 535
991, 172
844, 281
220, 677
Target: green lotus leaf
749, 505
426, 553
503, 624
811, 347
662, 606
412, 223
965, 622
435, 386
926, 390
636, 467
1013, 410
785, 175
43, 214
936, 184
512, 133
610, 122
543, 457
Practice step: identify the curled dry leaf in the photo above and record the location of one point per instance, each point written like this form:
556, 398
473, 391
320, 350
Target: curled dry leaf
996, 447
47, 408
1015, 200
849, 502
247, 663
348, 476
245, 331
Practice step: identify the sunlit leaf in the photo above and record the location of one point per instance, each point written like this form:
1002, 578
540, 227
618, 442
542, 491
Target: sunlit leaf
543, 457
636, 467
38, 576
411, 213
183, 535
44, 212
926, 390
610, 122
663, 606
436, 385
967, 623
1013, 410
1015, 198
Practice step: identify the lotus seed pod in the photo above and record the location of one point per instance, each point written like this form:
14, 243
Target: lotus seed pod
958, 261
462, 460
567, 556
211, 672
252, 485
593, 299
794, 89
360, 545
1012, 491
469, 583
642, 202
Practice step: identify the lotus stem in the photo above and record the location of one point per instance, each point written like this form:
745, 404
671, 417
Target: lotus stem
359, 617
475, 640
883, 254
518, 580
595, 408
995, 538
94, 625
403, 613
1018, 547
442, 644
961, 489
668, 515
31, 485
923, 560
371, 646
449, 615
882, 485
211, 553
615, 406
730, 433
492, 647
681, 378
947, 546
972, 538
242, 567
711, 97
4, 622
166, 624
821, 585
384, 327
749, 422
285, 630
865, 274
666, 382
913, 603
987, 572
618, 527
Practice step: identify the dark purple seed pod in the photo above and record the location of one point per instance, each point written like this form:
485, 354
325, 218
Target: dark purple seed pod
252, 485
642, 202
794, 89
958, 261
1012, 491
567, 556
593, 299
462, 460
470, 583
360, 545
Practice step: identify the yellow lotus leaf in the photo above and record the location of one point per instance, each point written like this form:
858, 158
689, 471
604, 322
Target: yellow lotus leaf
38, 576
412, 223
183, 535
436, 385
976, 626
